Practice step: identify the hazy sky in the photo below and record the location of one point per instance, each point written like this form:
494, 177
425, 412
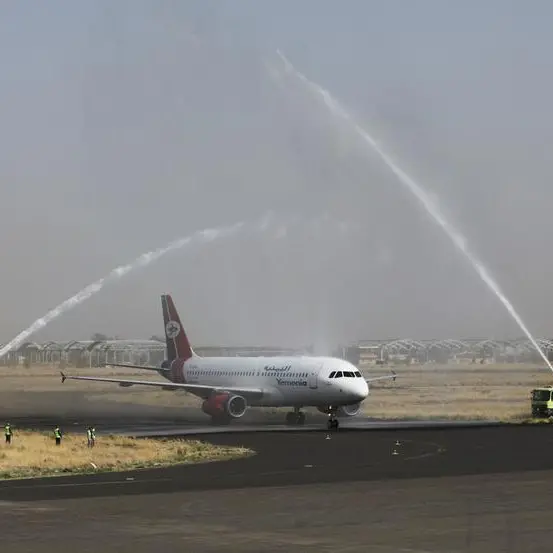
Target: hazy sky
128, 124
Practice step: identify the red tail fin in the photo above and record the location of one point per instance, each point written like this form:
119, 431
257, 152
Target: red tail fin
178, 346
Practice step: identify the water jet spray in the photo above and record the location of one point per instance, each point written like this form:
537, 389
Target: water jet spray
263, 224
424, 198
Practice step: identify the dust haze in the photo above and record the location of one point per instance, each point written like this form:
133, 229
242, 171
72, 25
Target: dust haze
127, 125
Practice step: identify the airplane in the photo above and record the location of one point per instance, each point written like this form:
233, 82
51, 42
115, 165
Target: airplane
229, 386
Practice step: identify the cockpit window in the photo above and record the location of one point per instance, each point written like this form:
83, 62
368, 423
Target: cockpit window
345, 374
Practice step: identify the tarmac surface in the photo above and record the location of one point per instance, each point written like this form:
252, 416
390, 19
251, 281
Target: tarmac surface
444, 489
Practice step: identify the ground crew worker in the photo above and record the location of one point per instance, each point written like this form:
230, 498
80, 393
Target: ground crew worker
91, 435
8, 432
57, 435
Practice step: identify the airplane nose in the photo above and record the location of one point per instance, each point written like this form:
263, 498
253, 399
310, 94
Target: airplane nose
360, 391
360, 395
354, 390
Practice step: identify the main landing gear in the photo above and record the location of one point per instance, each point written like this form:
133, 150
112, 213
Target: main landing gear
295, 417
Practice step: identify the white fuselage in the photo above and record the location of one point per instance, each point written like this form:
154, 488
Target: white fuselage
285, 381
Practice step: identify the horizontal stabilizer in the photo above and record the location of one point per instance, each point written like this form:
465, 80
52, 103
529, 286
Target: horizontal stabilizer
143, 367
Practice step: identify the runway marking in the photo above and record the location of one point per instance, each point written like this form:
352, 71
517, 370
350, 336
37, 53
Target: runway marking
24, 506
439, 450
79, 484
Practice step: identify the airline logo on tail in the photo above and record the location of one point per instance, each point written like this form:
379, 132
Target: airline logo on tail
178, 346
172, 329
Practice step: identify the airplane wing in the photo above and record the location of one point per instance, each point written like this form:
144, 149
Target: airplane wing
144, 367
196, 389
392, 376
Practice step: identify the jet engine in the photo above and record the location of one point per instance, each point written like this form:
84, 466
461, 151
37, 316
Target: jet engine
349, 410
225, 405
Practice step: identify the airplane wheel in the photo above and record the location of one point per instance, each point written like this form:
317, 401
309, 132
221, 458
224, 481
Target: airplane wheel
301, 418
332, 424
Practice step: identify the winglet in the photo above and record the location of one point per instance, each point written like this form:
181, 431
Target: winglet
63, 377
391, 376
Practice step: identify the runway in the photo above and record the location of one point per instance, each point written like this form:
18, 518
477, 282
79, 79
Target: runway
146, 430
189, 422
454, 487
299, 457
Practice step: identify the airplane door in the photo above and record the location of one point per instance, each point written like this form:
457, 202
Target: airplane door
312, 380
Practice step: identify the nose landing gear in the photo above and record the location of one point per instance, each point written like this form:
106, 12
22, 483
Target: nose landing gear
332, 423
